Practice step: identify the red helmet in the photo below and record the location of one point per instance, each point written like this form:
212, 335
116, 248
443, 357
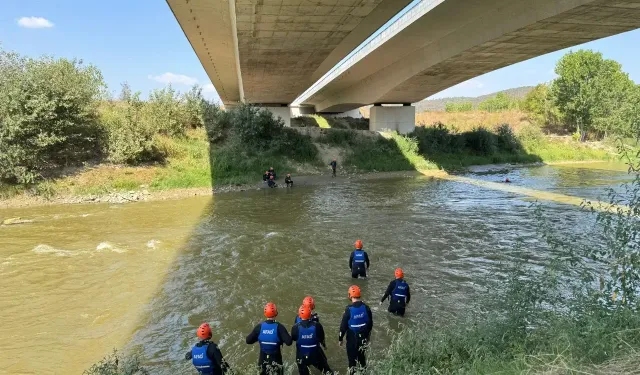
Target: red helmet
270, 310
204, 331
354, 291
309, 302
358, 244
399, 273
304, 312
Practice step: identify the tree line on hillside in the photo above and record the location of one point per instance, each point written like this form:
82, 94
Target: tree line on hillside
591, 97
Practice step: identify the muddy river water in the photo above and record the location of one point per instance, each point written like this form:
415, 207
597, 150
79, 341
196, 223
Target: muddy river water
80, 280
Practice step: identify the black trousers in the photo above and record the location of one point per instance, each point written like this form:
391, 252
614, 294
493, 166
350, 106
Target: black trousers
358, 271
333, 170
356, 345
270, 364
397, 307
317, 360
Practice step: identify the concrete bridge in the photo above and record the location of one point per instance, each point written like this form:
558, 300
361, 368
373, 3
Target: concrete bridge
276, 53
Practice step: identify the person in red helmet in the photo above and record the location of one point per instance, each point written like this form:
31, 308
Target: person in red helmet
311, 304
309, 335
271, 335
398, 293
359, 261
357, 323
205, 355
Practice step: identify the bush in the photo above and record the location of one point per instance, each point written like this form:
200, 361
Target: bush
48, 115
507, 140
500, 102
459, 107
531, 136
436, 139
129, 139
117, 364
481, 141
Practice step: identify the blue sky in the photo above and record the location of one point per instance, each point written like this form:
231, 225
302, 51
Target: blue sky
140, 42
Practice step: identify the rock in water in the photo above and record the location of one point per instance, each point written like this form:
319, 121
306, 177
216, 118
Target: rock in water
16, 220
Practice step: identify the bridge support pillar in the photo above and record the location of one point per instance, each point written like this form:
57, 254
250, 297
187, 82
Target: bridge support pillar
284, 112
397, 118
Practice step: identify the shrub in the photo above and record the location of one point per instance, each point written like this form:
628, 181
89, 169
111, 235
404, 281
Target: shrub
500, 102
117, 364
129, 138
480, 141
436, 138
166, 113
531, 136
507, 140
459, 107
48, 115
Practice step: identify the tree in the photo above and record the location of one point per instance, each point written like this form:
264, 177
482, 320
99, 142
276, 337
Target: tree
500, 102
539, 104
48, 114
194, 105
590, 91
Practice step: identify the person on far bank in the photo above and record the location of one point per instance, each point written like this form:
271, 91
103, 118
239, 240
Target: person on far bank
265, 176
398, 293
334, 165
271, 335
273, 173
205, 355
357, 323
311, 304
309, 335
272, 182
359, 261
288, 180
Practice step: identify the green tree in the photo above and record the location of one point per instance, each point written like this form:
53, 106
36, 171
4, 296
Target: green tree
194, 107
540, 106
165, 111
590, 90
48, 115
500, 102
459, 107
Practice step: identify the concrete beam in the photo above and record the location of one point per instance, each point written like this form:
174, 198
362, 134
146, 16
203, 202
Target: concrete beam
210, 28
399, 118
283, 112
461, 39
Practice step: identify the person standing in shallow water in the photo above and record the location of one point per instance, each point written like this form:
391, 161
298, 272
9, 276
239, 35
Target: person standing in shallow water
205, 355
398, 293
309, 335
334, 165
288, 180
359, 261
357, 323
272, 182
271, 335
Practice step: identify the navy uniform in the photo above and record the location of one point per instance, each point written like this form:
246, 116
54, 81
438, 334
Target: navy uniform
309, 335
357, 323
271, 335
359, 263
399, 296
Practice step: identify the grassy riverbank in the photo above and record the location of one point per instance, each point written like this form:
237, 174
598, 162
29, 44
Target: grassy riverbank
193, 162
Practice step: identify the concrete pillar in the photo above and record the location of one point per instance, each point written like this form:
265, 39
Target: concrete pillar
283, 112
302, 111
400, 119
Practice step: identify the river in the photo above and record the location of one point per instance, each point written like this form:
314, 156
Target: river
82, 279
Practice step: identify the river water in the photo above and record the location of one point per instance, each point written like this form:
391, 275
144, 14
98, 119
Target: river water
80, 280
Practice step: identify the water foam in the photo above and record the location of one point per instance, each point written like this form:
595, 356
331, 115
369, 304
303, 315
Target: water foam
109, 246
153, 244
46, 249
270, 234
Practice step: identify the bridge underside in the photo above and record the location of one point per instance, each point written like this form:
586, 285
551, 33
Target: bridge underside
462, 39
270, 51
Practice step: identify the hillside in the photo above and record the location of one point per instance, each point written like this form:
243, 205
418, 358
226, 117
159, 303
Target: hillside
439, 104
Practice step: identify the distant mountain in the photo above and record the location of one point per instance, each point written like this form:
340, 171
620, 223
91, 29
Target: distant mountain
439, 104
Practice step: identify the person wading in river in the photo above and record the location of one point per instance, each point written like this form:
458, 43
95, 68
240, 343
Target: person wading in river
359, 261
334, 165
398, 293
357, 323
271, 335
205, 355
309, 336
311, 304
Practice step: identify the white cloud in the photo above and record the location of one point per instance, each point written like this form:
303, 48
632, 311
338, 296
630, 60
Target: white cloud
172, 78
209, 92
35, 23
472, 83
